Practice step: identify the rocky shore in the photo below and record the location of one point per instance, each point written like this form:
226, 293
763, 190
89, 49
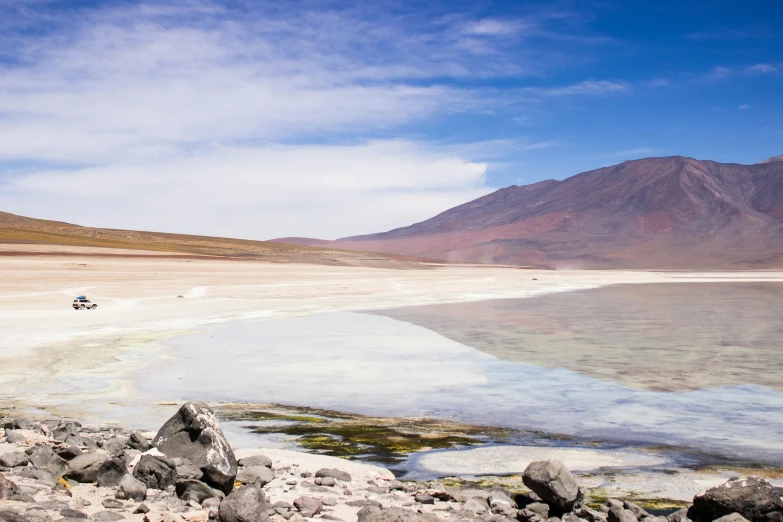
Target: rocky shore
187, 471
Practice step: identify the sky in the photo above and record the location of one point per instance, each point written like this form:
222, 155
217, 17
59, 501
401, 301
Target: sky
327, 119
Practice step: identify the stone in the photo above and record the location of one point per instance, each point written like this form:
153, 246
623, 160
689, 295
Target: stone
42, 476
193, 433
534, 511
363, 503
111, 472
73, 513
22, 497
424, 499
8, 515
396, 485
260, 475
15, 436
378, 514
245, 504
84, 468
326, 481
131, 488
681, 515
44, 458
107, 516
141, 509
155, 471
64, 429
734, 517
13, 459
211, 503
620, 514
497, 498
70, 452
115, 445
592, 515
334, 473
551, 480
752, 497
138, 441
256, 460
637, 511
476, 505
110, 503
190, 489
308, 506
7, 488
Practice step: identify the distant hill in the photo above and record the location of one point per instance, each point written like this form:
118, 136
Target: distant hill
671, 212
21, 231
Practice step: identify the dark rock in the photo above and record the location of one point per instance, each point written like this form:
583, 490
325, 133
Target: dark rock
73, 513
139, 442
111, 472
260, 475
424, 499
621, 515
734, 517
326, 481
186, 469
334, 473
81, 441
245, 504
636, 510
115, 445
752, 497
131, 488
110, 503
13, 459
364, 503
84, 468
70, 453
256, 460
65, 429
44, 458
378, 514
591, 515
534, 510
156, 471
196, 490
22, 497
141, 509
12, 516
551, 480
52, 505
107, 516
7, 488
308, 506
15, 436
681, 515
193, 433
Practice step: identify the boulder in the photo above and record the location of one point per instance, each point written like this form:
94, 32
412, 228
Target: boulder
637, 511
44, 458
73, 513
256, 460
131, 488
752, 497
155, 471
7, 488
40, 475
308, 506
476, 505
259, 475
334, 473
70, 452
551, 480
734, 517
111, 472
424, 499
84, 468
190, 489
107, 516
15, 436
620, 514
245, 504
13, 459
138, 441
193, 433
681, 515
186, 469
379, 514
115, 445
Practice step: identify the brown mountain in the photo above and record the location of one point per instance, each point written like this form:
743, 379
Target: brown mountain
18, 232
671, 212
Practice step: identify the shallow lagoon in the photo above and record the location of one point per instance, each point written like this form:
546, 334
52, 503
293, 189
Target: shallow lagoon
384, 364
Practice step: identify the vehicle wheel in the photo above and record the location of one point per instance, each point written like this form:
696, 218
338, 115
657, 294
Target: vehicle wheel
94, 307
82, 307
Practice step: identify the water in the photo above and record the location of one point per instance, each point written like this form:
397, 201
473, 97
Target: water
629, 364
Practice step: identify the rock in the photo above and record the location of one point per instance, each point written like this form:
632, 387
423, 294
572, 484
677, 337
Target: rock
111, 472
734, 517
396, 485
131, 488
246, 504
326, 481
13, 459
680, 515
424, 499
551, 480
110, 503
536, 510
7, 488
363, 503
211, 503
65, 429
84, 468
752, 497
620, 514
107, 516
308, 506
155, 471
591, 515
40, 475
190, 489
141, 509
476, 505
15, 436
70, 453
115, 446
73, 513
256, 460
12, 516
22, 497
44, 458
378, 514
334, 473
498, 498
260, 475
636, 510
138, 441
193, 433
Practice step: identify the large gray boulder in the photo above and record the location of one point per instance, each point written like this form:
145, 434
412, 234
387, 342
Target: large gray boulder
246, 504
336, 474
13, 459
379, 514
155, 471
551, 480
193, 433
44, 458
7, 488
190, 489
752, 497
111, 472
259, 475
308, 506
131, 488
84, 468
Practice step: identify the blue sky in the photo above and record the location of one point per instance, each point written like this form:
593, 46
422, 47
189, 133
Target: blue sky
318, 118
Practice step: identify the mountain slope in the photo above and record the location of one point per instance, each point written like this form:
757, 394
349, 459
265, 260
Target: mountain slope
671, 212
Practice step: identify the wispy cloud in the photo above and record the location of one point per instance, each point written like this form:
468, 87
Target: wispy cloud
588, 87
762, 68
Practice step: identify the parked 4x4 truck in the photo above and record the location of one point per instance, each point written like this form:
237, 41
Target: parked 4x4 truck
80, 304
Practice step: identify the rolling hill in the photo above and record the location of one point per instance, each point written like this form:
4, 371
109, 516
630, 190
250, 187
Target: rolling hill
669, 212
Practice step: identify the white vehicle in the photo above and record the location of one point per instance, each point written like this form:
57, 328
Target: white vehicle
82, 303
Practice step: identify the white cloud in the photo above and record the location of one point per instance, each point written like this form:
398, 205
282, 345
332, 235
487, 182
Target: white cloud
744, 106
762, 68
588, 87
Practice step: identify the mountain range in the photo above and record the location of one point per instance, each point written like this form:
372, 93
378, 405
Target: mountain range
668, 212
